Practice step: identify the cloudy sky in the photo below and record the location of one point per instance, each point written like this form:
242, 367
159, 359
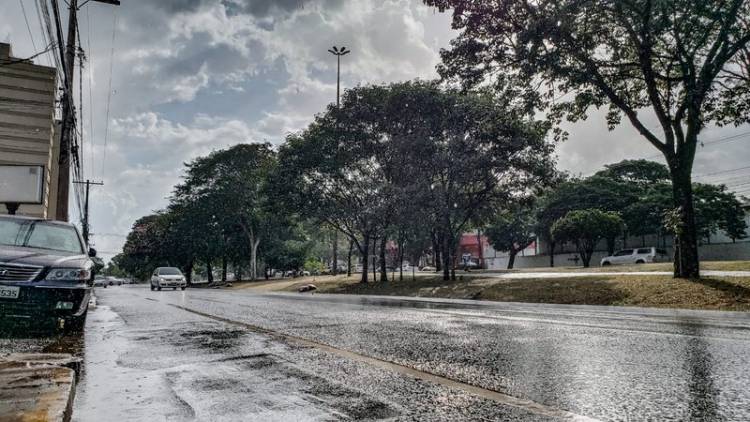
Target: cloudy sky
191, 76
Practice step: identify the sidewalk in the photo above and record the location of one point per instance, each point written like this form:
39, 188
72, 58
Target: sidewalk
554, 274
37, 387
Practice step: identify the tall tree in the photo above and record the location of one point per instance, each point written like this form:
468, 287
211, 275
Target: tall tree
585, 228
512, 231
230, 186
685, 62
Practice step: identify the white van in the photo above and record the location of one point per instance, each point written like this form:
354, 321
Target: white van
635, 256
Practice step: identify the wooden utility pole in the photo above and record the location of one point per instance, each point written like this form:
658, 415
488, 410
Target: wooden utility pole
67, 130
86, 226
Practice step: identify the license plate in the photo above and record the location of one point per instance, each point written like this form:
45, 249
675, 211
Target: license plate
9, 292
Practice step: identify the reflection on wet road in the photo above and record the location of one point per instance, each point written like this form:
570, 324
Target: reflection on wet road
235, 355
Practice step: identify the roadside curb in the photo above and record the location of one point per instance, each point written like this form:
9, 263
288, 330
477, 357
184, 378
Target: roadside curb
37, 386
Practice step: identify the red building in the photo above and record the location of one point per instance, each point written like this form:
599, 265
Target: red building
474, 245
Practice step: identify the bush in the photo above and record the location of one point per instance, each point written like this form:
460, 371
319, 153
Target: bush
585, 228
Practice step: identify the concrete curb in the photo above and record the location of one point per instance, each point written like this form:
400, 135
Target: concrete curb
37, 387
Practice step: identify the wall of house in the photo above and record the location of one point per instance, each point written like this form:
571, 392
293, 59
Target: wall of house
27, 131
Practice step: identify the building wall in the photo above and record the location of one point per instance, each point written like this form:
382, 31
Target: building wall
27, 128
718, 248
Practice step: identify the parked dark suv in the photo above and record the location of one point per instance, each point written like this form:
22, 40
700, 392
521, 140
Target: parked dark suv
46, 274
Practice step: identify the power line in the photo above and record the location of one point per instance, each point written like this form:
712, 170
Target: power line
722, 172
26, 19
8, 62
109, 91
91, 97
41, 29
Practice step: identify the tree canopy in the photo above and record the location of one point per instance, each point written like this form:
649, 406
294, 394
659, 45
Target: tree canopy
685, 62
454, 153
585, 228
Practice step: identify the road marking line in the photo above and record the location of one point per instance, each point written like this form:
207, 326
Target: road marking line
528, 405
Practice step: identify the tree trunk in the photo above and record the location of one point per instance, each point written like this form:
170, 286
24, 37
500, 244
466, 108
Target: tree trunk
349, 259
210, 271
335, 266
189, 272
436, 247
686, 261
446, 259
401, 261
254, 259
512, 258
611, 246
479, 246
585, 253
365, 250
374, 262
552, 254
224, 265
383, 267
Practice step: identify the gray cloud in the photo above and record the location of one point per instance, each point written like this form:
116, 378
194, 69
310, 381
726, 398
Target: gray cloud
178, 62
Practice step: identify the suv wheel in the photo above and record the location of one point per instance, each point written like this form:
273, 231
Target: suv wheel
182, 288
606, 264
640, 261
75, 324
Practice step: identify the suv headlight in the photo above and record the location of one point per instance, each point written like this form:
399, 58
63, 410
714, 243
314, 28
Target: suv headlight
68, 274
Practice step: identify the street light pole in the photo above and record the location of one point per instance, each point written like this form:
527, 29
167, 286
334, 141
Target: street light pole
338, 52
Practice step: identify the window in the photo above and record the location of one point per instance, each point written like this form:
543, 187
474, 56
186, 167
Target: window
39, 234
624, 252
169, 271
644, 250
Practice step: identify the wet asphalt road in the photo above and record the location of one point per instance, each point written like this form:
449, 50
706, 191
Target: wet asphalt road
238, 355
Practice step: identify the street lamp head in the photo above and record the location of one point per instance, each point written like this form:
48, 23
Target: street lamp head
338, 51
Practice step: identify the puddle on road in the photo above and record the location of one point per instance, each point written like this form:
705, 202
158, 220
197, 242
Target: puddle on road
206, 370
266, 387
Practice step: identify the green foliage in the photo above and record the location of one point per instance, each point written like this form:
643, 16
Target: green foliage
684, 61
641, 193
144, 247
113, 268
512, 231
585, 228
640, 172
453, 154
718, 209
314, 266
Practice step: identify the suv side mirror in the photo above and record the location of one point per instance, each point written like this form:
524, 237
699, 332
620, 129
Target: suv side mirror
92, 252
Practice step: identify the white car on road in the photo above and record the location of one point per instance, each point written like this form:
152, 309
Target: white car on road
168, 277
635, 256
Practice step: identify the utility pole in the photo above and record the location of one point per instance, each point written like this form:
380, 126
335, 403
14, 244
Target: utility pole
67, 130
86, 226
338, 53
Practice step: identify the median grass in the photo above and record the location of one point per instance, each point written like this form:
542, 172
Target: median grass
715, 293
660, 266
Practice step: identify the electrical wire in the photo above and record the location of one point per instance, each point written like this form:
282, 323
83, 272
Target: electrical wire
8, 62
26, 19
109, 92
91, 96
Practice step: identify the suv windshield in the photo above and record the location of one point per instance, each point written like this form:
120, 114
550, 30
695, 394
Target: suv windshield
39, 234
169, 271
